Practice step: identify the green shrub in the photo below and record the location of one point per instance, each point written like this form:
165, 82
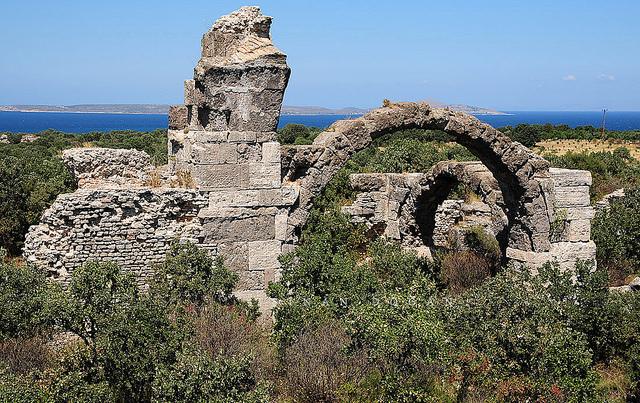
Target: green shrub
21, 389
533, 328
294, 133
24, 300
196, 377
616, 232
189, 275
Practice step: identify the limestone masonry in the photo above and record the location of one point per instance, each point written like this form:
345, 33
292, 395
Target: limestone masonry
233, 189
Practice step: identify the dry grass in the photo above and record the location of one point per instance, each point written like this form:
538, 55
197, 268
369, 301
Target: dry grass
22, 356
184, 180
154, 179
316, 366
225, 331
614, 382
465, 269
561, 147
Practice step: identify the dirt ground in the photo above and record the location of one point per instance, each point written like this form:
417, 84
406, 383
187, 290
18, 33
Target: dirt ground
560, 147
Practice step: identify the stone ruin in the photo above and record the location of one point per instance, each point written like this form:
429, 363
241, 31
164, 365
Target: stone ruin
231, 188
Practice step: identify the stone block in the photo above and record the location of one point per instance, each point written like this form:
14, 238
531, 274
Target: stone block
215, 153
368, 182
577, 231
573, 251
264, 254
235, 136
529, 258
192, 94
263, 137
200, 136
271, 153
252, 228
572, 196
251, 280
282, 226
570, 177
285, 196
264, 176
579, 213
220, 176
249, 153
178, 117
235, 255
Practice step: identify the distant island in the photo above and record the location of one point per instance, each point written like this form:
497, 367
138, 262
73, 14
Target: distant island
161, 109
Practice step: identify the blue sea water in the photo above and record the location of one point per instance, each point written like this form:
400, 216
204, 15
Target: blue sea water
33, 122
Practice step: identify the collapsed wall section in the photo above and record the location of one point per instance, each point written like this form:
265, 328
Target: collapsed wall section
391, 204
133, 227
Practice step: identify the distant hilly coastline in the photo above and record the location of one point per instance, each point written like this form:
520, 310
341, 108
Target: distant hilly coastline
163, 109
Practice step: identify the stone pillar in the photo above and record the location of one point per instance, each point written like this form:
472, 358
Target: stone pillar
223, 139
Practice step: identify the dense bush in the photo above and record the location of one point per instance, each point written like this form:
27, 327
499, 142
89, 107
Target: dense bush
616, 232
24, 300
31, 176
190, 275
297, 134
530, 134
124, 344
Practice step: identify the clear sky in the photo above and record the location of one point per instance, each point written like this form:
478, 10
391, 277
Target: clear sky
508, 55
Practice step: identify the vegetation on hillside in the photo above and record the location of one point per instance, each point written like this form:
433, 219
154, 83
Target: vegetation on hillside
610, 170
530, 134
359, 319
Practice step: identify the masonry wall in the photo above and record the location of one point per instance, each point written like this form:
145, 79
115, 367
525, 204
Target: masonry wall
388, 202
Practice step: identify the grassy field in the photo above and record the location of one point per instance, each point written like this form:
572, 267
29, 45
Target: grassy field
561, 147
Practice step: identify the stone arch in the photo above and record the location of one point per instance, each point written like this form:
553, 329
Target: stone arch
435, 188
523, 176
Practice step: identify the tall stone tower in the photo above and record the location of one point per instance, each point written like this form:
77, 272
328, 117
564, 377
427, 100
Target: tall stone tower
224, 138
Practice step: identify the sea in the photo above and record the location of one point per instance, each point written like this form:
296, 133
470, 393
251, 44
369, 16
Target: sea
34, 122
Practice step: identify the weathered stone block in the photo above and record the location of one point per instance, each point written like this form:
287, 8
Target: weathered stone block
282, 226
264, 175
577, 231
570, 177
192, 94
271, 153
251, 280
284, 196
220, 153
572, 196
235, 255
264, 254
256, 228
221, 176
241, 137
249, 153
178, 117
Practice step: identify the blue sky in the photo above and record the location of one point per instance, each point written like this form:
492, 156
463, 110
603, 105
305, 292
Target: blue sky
508, 55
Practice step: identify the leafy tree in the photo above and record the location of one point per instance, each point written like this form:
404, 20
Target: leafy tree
190, 275
24, 300
298, 134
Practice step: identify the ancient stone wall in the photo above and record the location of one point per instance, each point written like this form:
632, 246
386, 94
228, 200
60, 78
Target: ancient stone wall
394, 203
133, 227
232, 188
